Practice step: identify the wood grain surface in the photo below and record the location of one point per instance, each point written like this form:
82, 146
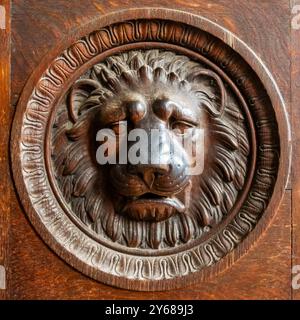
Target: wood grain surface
295, 98
5, 118
35, 272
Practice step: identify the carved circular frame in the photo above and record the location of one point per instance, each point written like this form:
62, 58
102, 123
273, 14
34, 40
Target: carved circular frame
43, 91
253, 146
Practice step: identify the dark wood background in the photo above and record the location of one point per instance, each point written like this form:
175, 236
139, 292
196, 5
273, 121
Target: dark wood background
295, 168
6, 112
34, 271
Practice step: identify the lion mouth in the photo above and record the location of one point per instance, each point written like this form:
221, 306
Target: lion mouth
152, 207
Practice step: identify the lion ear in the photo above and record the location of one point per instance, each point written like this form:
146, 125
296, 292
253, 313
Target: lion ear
215, 109
79, 92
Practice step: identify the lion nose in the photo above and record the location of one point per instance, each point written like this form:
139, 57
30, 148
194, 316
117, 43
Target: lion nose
149, 172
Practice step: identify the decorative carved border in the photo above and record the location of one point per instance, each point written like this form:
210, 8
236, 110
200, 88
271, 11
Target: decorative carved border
29, 140
252, 138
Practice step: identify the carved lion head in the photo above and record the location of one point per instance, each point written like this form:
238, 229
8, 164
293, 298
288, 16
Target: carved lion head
150, 204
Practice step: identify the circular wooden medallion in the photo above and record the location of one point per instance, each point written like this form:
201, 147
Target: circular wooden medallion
147, 227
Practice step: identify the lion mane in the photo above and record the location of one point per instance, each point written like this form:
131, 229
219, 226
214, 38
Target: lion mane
83, 183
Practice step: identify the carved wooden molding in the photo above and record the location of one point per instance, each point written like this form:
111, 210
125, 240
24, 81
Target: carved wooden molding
166, 58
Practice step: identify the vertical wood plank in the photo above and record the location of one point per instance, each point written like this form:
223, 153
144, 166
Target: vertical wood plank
295, 98
5, 116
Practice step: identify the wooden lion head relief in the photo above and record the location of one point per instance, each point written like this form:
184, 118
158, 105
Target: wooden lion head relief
149, 152
154, 201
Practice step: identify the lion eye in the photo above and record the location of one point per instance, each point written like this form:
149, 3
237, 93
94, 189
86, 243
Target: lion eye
181, 127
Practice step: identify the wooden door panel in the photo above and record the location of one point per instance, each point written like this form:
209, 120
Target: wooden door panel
36, 272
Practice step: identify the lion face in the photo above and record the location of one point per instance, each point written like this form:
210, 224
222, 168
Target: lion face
159, 187
153, 203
